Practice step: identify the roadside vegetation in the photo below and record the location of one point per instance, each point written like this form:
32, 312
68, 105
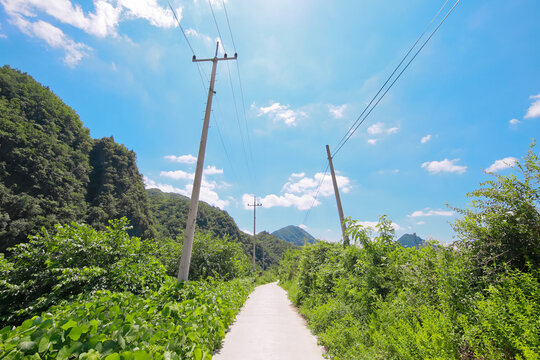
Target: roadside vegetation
89, 294
476, 299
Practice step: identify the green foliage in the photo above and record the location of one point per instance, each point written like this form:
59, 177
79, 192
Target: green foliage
51, 171
43, 159
378, 300
295, 235
501, 226
116, 189
180, 321
170, 211
210, 257
505, 319
75, 259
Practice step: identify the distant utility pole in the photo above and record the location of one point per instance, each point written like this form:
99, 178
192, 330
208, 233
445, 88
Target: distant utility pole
183, 270
254, 220
338, 199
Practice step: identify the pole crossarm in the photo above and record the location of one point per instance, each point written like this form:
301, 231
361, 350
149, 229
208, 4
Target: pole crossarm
187, 247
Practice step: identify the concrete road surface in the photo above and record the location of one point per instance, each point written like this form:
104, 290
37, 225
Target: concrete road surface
269, 328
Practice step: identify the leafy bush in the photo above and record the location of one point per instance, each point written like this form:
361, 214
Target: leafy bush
75, 259
211, 257
180, 321
505, 319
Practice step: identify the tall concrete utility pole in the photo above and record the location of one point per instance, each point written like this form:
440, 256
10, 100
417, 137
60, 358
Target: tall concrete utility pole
254, 219
338, 199
183, 270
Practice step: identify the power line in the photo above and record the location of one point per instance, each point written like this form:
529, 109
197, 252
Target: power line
241, 87
348, 133
181, 28
228, 24
316, 195
217, 27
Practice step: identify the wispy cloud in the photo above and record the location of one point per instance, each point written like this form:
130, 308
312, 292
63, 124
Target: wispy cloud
183, 159
372, 141
337, 110
425, 139
514, 122
55, 38
430, 212
281, 113
379, 129
435, 167
534, 109
103, 22
501, 164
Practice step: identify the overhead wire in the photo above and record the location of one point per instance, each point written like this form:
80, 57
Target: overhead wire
204, 76
316, 195
248, 167
241, 89
359, 122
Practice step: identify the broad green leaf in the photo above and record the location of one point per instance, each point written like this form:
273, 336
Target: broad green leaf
75, 333
69, 324
113, 356
43, 344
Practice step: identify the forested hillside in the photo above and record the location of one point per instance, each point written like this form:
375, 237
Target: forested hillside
52, 171
295, 235
170, 211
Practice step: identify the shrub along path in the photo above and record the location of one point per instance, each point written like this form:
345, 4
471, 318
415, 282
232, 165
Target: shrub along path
269, 327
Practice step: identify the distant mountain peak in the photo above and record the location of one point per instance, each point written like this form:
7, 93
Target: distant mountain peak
411, 240
294, 235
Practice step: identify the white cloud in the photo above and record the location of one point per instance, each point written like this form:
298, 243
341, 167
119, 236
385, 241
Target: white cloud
55, 38
303, 227
505, 163
178, 175
281, 113
534, 109
102, 22
372, 141
294, 175
514, 121
430, 212
249, 232
183, 159
337, 110
207, 194
379, 129
308, 185
300, 192
434, 167
420, 223
212, 170
425, 139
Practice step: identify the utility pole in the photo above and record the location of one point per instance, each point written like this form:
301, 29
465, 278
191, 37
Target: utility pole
338, 199
183, 270
254, 219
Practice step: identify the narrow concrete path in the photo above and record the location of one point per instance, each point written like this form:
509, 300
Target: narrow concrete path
269, 328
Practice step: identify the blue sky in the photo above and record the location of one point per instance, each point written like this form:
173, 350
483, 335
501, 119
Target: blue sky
469, 101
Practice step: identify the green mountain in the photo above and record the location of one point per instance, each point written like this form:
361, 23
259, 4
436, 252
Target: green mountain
170, 212
294, 235
410, 240
52, 171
